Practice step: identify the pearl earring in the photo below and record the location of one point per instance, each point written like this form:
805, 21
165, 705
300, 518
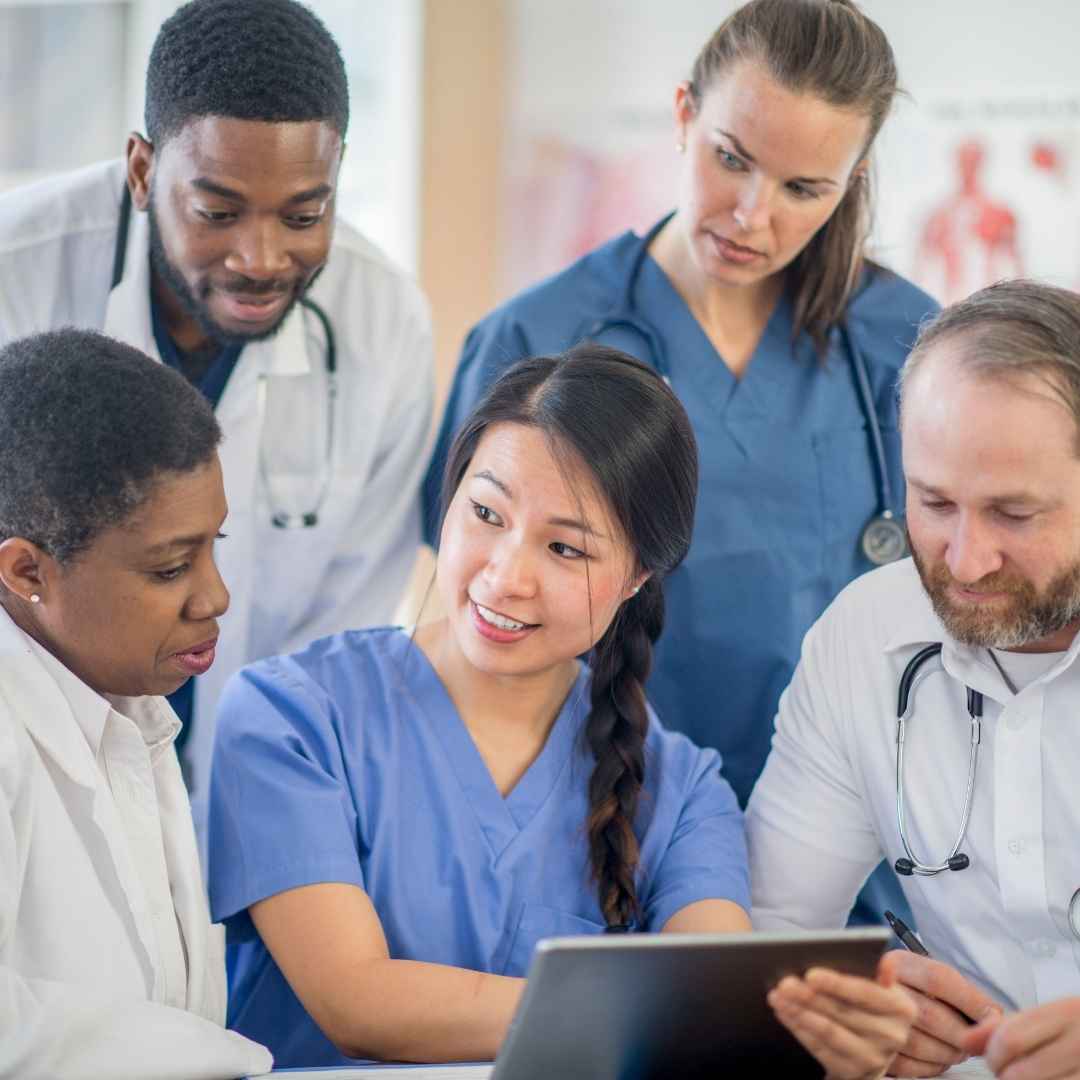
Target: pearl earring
34, 598
681, 147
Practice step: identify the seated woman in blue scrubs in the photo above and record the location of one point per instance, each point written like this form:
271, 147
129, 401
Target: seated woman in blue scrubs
756, 300
395, 821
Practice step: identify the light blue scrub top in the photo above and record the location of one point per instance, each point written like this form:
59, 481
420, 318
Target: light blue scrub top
349, 763
787, 479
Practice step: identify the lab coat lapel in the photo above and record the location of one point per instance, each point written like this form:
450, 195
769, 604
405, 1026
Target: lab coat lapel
38, 702
241, 421
203, 942
127, 313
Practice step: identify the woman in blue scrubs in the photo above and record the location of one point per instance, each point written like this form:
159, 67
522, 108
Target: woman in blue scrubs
755, 300
395, 821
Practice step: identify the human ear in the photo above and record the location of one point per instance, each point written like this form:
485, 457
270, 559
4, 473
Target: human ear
636, 584
685, 109
860, 173
22, 569
140, 169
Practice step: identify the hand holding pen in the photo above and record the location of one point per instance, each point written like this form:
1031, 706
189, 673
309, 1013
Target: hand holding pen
948, 1005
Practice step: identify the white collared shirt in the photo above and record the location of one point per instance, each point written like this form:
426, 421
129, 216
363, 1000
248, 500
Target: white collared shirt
109, 965
824, 811
128, 737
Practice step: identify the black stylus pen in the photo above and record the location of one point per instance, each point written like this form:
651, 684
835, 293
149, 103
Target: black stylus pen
913, 944
905, 934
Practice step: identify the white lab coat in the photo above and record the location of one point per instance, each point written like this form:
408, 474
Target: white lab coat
288, 586
80, 985
823, 813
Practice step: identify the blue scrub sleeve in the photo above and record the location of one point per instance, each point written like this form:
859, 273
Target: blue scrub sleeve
491, 347
706, 856
281, 813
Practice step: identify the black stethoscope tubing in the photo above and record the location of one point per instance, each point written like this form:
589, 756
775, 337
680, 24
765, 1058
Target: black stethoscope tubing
956, 859
883, 539
280, 519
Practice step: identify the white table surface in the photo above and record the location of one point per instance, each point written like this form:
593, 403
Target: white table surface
970, 1070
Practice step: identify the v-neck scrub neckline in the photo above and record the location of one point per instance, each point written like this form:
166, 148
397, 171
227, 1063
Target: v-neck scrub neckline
502, 818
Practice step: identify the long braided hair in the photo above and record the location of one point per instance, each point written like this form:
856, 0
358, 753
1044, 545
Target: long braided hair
619, 418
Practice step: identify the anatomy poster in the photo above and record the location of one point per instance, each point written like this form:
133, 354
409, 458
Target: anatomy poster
575, 195
981, 189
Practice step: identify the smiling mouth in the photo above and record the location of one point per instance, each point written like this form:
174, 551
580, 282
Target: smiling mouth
976, 596
253, 306
500, 621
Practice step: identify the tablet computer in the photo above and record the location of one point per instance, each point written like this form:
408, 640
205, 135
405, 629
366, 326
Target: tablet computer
669, 1006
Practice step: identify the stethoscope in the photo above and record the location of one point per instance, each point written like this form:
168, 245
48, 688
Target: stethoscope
883, 539
956, 859
281, 519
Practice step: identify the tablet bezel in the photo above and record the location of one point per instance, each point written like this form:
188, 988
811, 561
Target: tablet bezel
650, 1006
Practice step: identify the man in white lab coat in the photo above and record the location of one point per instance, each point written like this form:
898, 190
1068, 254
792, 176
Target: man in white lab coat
227, 265
110, 501
982, 626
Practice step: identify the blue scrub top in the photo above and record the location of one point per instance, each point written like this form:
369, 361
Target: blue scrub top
348, 762
787, 478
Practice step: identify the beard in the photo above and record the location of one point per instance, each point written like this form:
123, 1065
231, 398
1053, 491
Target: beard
196, 306
1026, 615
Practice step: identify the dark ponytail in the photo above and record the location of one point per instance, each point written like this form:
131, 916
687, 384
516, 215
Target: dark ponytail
619, 418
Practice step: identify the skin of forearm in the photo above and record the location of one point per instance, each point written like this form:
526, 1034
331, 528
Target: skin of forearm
405, 1010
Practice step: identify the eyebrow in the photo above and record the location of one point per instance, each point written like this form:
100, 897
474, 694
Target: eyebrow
743, 152
491, 478
1015, 497
320, 191
175, 544
560, 522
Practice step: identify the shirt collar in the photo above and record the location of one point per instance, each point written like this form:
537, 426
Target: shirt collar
152, 717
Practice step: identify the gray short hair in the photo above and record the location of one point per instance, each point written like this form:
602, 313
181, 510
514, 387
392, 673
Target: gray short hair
1011, 328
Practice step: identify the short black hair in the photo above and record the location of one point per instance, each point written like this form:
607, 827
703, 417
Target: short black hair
270, 60
87, 426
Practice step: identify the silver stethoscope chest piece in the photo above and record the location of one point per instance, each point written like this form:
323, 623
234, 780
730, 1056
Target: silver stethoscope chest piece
883, 539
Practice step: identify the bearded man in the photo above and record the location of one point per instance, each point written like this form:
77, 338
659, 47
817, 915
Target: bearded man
990, 420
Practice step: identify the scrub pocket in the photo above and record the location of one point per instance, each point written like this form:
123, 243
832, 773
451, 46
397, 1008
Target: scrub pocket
536, 922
